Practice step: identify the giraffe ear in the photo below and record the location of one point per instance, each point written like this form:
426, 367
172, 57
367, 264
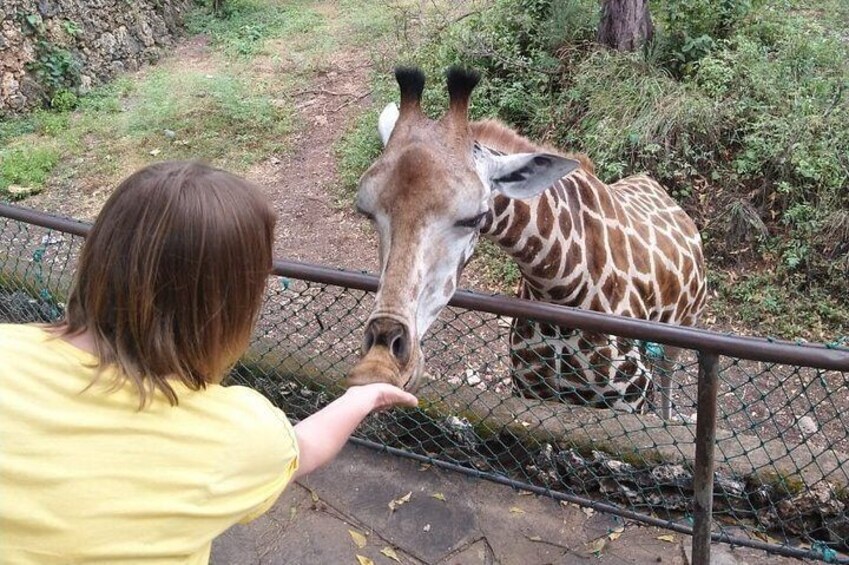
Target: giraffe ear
525, 175
386, 122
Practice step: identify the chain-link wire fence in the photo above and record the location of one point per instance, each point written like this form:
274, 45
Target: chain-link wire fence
781, 479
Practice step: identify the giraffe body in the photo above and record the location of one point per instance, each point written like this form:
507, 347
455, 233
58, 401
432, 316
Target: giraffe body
625, 248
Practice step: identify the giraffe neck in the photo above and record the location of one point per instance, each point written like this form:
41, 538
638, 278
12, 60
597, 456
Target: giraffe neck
545, 237
625, 248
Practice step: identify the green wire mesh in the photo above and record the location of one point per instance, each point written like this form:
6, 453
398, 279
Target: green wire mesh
782, 472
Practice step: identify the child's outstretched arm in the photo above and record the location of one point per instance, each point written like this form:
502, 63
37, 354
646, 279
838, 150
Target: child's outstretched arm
322, 435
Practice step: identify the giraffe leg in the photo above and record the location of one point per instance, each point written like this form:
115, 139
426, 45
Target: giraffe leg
663, 366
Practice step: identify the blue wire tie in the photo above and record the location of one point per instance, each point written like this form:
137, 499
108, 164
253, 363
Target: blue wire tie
826, 553
654, 350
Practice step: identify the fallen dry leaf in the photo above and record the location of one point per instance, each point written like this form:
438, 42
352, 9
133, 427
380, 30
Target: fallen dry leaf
763, 537
155, 152
597, 545
359, 539
390, 553
314, 495
364, 560
588, 511
615, 533
438, 496
535, 538
516, 510
667, 537
399, 501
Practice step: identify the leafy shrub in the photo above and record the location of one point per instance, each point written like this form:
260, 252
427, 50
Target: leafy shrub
690, 30
56, 69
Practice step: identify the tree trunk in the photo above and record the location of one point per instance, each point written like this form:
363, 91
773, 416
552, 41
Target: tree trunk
625, 24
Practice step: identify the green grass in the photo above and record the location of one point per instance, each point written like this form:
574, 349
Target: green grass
369, 21
227, 120
232, 116
500, 272
245, 26
219, 117
357, 149
26, 168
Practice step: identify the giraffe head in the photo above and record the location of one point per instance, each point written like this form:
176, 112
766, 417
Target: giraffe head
428, 196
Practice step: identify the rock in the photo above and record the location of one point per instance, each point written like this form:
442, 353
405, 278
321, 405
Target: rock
8, 85
838, 529
108, 44
807, 426
20, 308
672, 475
85, 84
19, 191
461, 431
48, 8
724, 484
805, 512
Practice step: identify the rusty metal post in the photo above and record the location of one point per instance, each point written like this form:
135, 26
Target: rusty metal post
705, 442
666, 395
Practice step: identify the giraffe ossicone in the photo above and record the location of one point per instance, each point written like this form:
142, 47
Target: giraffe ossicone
625, 248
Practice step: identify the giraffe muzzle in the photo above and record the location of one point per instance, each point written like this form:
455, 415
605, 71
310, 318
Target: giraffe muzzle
390, 334
387, 356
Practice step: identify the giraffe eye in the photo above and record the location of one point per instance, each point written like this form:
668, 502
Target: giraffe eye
474, 222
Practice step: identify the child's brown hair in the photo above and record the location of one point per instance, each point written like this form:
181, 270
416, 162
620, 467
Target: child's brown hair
172, 276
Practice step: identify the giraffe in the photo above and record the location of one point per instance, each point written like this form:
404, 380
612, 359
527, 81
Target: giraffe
625, 248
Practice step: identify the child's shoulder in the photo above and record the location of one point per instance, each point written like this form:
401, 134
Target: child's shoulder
256, 424
17, 333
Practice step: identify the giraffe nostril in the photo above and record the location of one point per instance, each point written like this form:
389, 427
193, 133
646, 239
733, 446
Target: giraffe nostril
399, 347
390, 334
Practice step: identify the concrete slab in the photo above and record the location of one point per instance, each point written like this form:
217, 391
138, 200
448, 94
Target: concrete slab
449, 519
424, 526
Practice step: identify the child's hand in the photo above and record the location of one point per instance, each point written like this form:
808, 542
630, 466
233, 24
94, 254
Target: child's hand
380, 396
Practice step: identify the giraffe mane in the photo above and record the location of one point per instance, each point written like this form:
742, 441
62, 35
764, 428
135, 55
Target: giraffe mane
497, 135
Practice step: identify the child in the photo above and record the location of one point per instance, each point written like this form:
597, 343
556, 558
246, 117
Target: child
118, 443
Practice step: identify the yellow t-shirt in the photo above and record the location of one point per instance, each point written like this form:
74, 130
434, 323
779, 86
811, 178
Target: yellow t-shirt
85, 477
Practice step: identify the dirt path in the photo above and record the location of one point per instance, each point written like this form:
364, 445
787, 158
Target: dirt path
311, 227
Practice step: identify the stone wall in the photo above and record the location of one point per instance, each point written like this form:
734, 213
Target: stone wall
49, 46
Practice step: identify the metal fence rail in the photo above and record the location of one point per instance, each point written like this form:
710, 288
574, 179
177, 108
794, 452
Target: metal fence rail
773, 416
